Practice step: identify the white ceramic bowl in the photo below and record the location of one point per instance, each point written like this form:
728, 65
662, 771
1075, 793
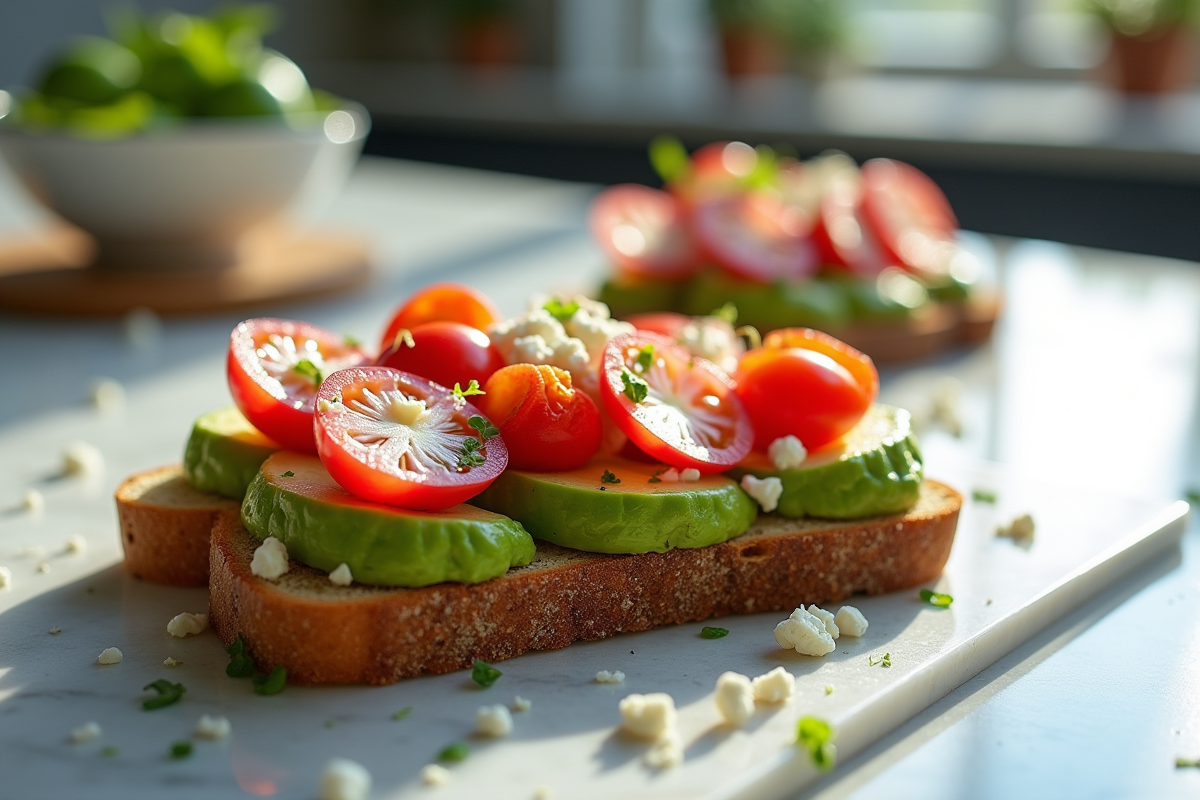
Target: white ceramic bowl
186, 197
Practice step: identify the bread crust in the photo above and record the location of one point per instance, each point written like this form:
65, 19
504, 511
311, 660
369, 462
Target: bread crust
328, 634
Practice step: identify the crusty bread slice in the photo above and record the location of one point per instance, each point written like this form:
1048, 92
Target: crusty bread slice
165, 526
325, 633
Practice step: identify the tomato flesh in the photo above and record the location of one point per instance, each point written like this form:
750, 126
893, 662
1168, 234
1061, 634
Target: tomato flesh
805, 384
910, 215
757, 237
446, 353
274, 368
396, 438
442, 302
547, 424
690, 415
644, 232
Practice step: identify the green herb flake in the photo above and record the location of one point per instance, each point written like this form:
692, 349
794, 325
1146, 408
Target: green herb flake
109, 751
486, 429
455, 752
816, 736
636, 389
288, 474
273, 683
884, 661
168, 694
727, 312
471, 391
936, 598
645, 358
350, 340
670, 158
708, 632
608, 477
329, 723
828, 690
402, 713
983, 496
181, 750
309, 370
1192, 496
470, 456
1186, 763
484, 673
240, 665
559, 310
654, 478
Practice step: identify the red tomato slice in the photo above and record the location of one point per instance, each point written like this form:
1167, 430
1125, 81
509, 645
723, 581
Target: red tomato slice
844, 238
445, 353
442, 302
909, 214
718, 169
679, 409
399, 439
274, 367
664, 323
643, 231
806, 384
756, 236
546, 423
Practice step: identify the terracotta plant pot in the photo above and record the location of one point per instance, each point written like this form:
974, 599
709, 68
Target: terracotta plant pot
1153, 63
748, 51
487, 43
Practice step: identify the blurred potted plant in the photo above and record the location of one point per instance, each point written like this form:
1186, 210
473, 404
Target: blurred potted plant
485, 32
1152, 45
763, 36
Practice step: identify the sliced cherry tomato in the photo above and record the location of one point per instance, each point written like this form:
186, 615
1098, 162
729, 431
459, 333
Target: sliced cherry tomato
756, 236
546, 423
909, 214
681, 410
644, 232
845, 238
396, 438
718, 169
445, 353
274, 368
664, 323
442, 302
807, 384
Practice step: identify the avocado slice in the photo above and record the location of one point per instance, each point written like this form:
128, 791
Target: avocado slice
625, 298
580, 510
874, 469
815, 302
224, 452
295, 500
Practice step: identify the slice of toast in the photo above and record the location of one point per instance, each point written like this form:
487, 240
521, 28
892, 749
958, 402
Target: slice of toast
325, 633
165, 526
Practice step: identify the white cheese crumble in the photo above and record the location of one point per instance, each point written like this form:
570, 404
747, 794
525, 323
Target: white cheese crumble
187, 624
110, 655
75, 544
851, 621
270, 559
714, 339
689, 475
804, 633
435, 775
85, 733
33, 501
787, 452
670, 476
341, 575
542, 793
648, 716
54, 631
213, 727
1020, 529
108, 396
5, 578
776, 686
666, 753
493, 721
81, 458
827, 618
766, 491
344, 779
520, 704
43, 567
734, 698
604, 676
170, 662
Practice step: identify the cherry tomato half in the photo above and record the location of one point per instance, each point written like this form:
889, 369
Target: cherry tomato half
910, 215
547, 424
756, 236
445, 353
718, 169
275, 366
845, 238
664, 323
807, 384
643, 231
442, 302
396, 438
679, 409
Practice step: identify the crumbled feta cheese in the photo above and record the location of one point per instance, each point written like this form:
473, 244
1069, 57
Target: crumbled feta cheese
604, 676
1020, 529
270, 559
5, 578
341, 575
734, 698
435, 775
542, 793
110, 655
670, 476
75, 544
666, 753
689, 475
170, 662
776, 686
55, 631
143, 329
494, 721
85, 733
592, 324
33, 501
944, 405
805, 633
826, 617
520, 704
186, 624
787, 452
81, 458
766, 491
108, 396
213, 727
714, 339
324, 405
851, 621
43, 567
648, 716
344, 779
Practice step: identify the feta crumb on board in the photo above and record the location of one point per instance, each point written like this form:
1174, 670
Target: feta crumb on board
270, 559
435, 775
520, 704
213, 727
85, 733
143, 329
604, 676
81, 458
667, 751
54, 631
851, 621
170, 662
341, 575
827, 619
734, 698
542, 793
5, 578
75, 544
108, 395
493, 721
776, 686
804, 633
344, 779
110, 655
787, 452
648, 716
1020, 529
43, 567
766, 491
33, 501
187, 624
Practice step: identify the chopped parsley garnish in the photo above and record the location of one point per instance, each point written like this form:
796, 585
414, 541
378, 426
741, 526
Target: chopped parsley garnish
471, 390
240, 665
645, 357
273, 683
559, 310
816, 736
484, 673
1192, 496
828, 690
727, 312
936, 598
288, 474
350, 340
168, 694
885, 661
1184, 763
486, 429
654, 478
636, 389
983, 496
669, 158
455, 752
403, 335
708, 632
402, 713
309, 370
608, 477
181, 749
109, 751
470, 456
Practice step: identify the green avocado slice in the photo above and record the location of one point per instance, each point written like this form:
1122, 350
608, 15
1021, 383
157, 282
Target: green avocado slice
580, 510
224, 452
295, 500
875, 469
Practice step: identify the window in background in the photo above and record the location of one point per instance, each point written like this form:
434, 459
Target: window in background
937, 34
1059, 34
